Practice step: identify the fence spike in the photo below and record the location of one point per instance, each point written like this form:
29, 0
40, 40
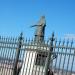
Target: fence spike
55, 42
59, 42
6, 39
63, 42
26, 40
67, 42
2, 38
32, 40
29, 40
72, 43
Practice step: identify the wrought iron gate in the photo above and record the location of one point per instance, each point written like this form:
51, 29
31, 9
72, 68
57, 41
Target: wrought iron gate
19, 56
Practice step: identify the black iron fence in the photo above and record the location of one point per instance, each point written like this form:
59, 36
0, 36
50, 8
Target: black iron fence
11, 54
19, 56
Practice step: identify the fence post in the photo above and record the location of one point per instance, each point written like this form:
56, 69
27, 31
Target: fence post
49, 54
17, 54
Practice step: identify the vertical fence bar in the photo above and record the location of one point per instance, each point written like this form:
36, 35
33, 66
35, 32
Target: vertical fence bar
69, 60
49, 54
60, 58
64, 58
31, 55
72, 59
2, 72
17, 56
57, 55
28, 56
24, 60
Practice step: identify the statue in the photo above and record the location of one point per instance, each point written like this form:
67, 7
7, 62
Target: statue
40, 29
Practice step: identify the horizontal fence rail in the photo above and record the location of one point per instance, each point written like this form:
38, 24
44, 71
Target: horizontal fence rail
27, 57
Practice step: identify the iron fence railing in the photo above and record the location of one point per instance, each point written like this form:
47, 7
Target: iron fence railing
27, 57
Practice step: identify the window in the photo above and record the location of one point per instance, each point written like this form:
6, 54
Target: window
41, 58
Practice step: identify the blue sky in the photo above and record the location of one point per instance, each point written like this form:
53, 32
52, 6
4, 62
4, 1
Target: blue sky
19, 15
